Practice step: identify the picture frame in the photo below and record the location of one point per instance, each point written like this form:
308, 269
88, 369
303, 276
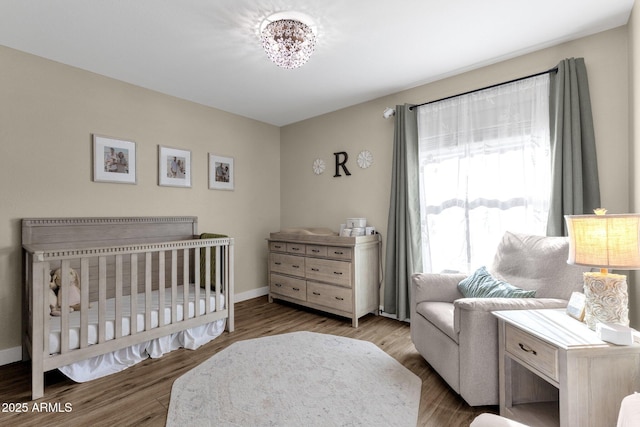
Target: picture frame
576, 306
174, 167
114, 160
221, 172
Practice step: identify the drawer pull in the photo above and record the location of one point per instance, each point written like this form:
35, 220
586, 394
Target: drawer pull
279, 285
277, 246
340, 299
295, 266
527, 349
338, 253
296, 289
315, 269
316, 293
315, 250
339, 273
277, 263
295, 249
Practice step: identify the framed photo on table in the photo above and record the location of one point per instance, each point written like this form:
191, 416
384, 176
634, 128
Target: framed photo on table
220, 172
174, 167
114, 160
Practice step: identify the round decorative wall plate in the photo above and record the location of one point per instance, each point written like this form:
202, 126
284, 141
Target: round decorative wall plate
318, 166
365, 159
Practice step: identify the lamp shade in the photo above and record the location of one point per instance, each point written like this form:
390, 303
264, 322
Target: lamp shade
605, 241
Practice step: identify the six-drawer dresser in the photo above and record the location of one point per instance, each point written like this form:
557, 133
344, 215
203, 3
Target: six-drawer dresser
335, 274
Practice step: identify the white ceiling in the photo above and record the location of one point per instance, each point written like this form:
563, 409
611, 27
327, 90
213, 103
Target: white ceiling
208, 51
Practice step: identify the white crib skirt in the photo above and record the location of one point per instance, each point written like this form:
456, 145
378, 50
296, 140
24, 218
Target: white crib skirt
110, 363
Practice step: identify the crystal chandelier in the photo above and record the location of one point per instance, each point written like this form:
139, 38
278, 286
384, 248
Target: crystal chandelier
288, 41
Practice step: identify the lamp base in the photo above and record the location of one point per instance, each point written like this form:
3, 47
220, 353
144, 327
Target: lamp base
606, 299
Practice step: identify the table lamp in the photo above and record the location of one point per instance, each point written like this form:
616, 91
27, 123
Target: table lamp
606, 242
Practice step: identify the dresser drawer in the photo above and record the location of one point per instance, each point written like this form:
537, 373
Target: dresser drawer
287, 264
288, 286
330, 271
532, 351
296, 248
315, 250
330, 296
339, 253
278, 246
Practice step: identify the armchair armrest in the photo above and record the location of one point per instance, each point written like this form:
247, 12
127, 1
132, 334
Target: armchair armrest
493, 304
436, 287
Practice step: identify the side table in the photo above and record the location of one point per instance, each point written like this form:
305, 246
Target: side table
554, 370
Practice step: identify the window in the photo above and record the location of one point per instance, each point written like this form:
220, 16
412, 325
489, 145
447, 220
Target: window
484, 169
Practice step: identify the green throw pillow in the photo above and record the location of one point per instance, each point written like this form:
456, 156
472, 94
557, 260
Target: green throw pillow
482, 285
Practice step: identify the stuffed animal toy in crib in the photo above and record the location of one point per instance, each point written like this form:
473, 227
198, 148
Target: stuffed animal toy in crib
55, 296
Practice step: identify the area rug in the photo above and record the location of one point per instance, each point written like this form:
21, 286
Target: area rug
297, 379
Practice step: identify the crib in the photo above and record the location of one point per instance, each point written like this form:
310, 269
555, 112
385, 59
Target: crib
142, 281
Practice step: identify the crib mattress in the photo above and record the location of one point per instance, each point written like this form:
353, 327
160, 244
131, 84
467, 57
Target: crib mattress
74, 317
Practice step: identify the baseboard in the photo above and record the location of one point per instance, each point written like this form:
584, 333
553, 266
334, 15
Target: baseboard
254, 293
10, 355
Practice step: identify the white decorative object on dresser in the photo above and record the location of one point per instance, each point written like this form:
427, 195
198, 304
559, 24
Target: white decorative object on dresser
554, 370
324, 271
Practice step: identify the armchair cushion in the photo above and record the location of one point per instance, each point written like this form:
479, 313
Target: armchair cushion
481, 284
537, 262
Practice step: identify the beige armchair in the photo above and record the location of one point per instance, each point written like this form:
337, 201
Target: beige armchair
458, 336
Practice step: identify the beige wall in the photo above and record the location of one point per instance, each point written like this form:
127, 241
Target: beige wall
48, 112
634, 151
310, 200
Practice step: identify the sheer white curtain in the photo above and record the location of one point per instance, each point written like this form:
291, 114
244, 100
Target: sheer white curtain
484, 169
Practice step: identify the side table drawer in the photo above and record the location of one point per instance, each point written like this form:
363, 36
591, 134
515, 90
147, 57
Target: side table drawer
532, 351
330, 296
288, 286
287, 264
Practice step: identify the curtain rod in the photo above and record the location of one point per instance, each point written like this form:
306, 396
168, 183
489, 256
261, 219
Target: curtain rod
553, 70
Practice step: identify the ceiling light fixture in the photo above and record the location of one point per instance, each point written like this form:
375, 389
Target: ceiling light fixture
289, 38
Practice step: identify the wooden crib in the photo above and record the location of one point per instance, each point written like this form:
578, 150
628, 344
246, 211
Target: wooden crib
141, 278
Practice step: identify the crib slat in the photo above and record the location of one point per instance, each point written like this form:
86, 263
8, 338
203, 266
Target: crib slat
84, 302
161, 287
102, 298
185, 284
147, 292
219, 272
64, 306
229, 288
41, 314
207, 279
134, 293
174, 286
118, 298
196, 288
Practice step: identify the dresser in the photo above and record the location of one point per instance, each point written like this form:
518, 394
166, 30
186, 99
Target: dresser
555, 371
334, 274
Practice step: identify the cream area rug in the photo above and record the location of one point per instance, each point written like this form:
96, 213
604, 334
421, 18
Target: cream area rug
297, 379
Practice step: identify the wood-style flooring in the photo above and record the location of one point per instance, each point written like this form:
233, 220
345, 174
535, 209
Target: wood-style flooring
139, 396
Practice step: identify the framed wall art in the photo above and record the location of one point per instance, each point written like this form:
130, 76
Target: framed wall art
174, 167
220, 172
114, 160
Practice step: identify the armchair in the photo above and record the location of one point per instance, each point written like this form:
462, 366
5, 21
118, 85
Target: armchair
458, 336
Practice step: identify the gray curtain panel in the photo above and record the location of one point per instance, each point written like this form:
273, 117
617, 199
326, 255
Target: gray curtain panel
403, 250
575, 188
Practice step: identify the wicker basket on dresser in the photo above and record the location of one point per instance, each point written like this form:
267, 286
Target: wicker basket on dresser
338, 275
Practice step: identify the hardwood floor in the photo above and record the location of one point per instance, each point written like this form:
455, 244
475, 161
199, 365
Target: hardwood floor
139, 396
